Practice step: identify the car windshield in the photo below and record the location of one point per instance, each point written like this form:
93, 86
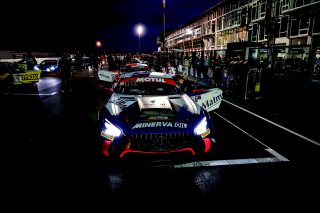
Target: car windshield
147, 86
204, 84
49, 63
200, 83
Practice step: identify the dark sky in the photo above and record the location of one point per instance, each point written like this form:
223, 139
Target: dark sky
54, 26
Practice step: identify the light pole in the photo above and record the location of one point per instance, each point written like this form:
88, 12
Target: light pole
164, 22
139, 31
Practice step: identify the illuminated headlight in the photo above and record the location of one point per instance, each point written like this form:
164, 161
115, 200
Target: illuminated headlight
111, 129
36, 68
201, 127
52, 68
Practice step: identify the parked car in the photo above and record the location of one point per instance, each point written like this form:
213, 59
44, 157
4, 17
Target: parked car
49, 67
6, 78
87, 63
12, 74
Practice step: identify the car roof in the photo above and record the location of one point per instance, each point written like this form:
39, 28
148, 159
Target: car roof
149, 74
53, 60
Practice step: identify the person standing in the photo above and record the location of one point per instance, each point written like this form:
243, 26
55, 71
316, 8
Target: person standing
31, 61
217, 74
79, 62
65, 73
205, 68
171, 70
95, 64
183, 83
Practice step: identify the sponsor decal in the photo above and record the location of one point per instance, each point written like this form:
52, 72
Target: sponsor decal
103, 75
206, 133
159, 124
26, 77
150, 79
158, 117
103, 134
211, 102
154, 102
122, 103
134, 81
30, 77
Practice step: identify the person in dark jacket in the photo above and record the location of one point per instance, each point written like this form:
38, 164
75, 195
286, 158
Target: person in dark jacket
65, 73
30, 61
183, 82
95, 64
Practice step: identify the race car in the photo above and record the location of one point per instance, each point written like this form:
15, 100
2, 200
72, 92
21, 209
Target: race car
134, 66
111, 76
149, 119
13, 74
6, 79
23, 76
49, 67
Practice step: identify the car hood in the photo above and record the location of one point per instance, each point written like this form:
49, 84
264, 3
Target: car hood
153, 113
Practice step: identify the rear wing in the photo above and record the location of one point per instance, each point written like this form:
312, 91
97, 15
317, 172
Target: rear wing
108, 75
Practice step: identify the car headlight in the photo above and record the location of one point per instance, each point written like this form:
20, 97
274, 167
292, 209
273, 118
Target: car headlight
111, 129
36, 68
201, 127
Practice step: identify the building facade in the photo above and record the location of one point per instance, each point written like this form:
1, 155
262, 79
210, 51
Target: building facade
278, 31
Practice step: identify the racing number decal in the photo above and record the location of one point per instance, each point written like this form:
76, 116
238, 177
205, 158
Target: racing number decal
16, 79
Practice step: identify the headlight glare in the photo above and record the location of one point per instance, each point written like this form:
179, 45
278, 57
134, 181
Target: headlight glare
201, 127
111, 129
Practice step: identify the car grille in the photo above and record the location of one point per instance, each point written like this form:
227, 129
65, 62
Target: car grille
160, 142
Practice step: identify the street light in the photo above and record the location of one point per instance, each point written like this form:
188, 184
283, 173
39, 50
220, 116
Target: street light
98, 44
140, 29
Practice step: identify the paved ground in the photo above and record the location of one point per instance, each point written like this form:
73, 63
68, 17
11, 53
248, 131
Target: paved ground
291, 103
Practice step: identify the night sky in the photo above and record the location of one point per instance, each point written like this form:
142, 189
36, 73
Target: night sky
54, 26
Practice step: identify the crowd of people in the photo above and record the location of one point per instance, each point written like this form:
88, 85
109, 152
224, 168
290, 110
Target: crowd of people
208, 70
209, 67
71, 61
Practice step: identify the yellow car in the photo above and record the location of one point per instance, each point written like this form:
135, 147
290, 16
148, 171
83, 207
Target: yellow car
6, 78
14, 74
